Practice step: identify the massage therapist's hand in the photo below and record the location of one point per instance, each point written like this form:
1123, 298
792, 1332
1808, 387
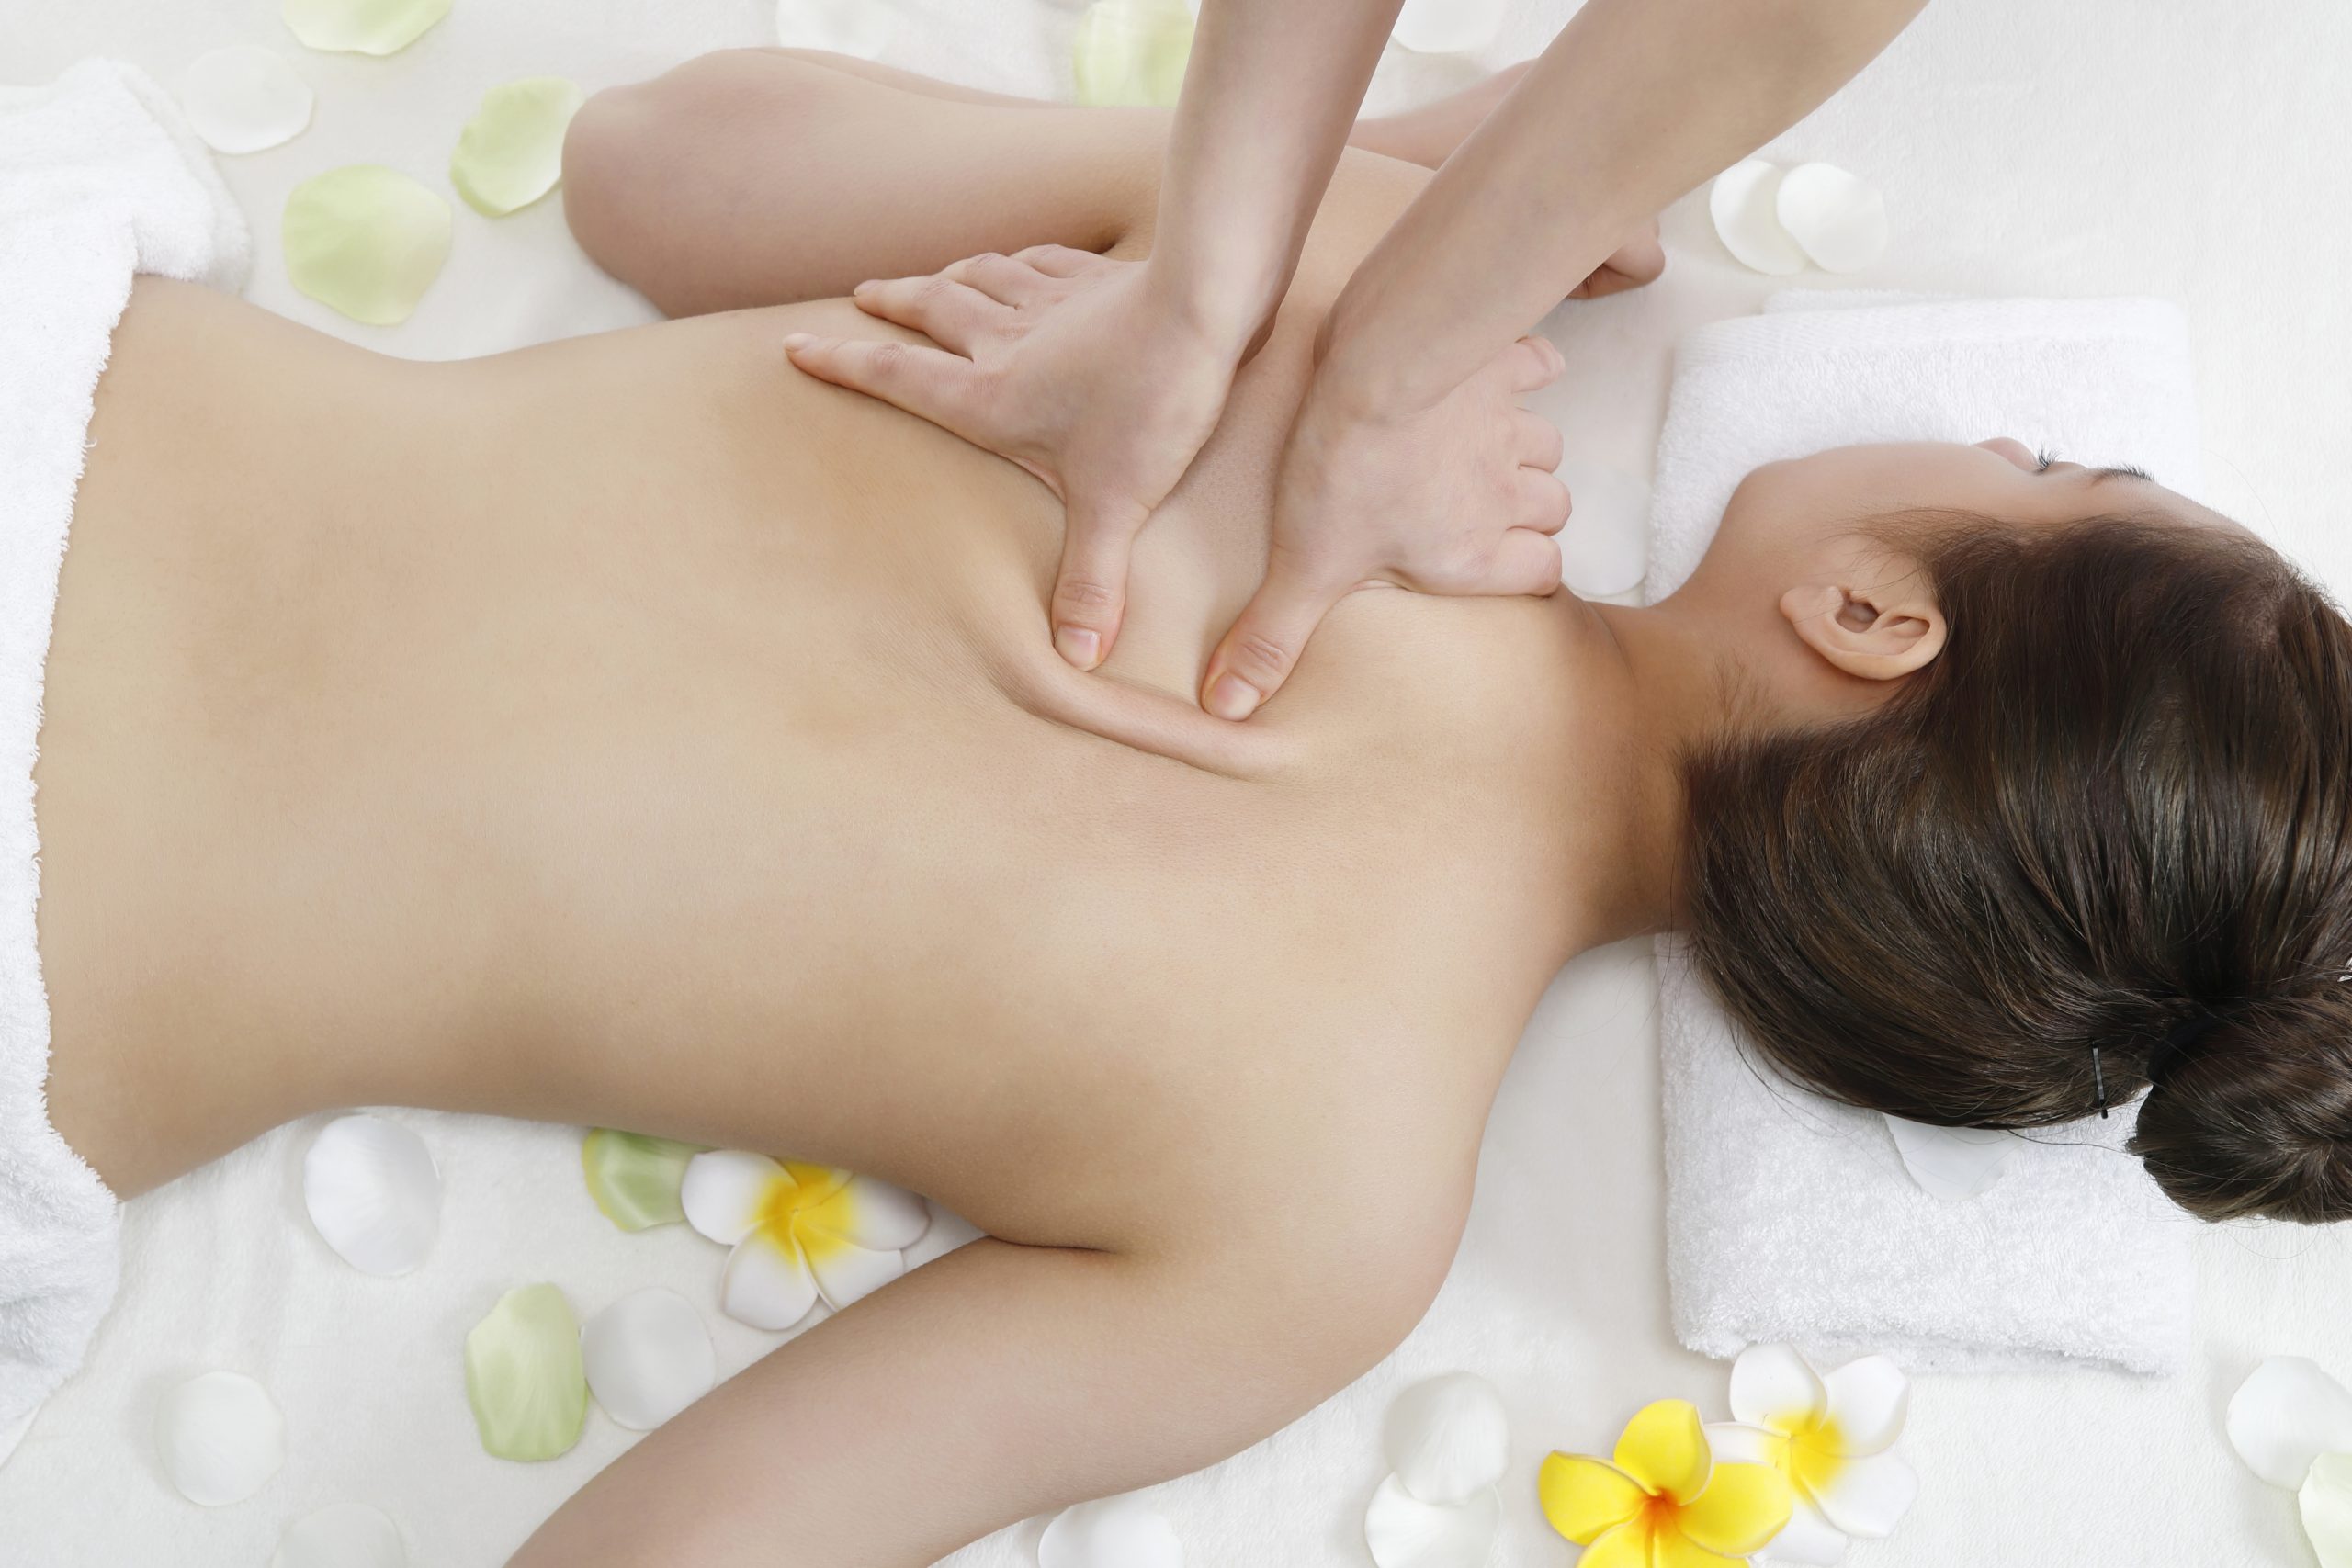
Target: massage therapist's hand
1456, 498
1072, 365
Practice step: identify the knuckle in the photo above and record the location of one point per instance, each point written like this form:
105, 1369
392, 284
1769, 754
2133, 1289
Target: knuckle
886, 358
1081, 592
933, 290
1258, 654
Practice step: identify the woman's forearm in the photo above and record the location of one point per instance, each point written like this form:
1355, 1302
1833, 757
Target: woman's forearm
1633, 104
1269, 95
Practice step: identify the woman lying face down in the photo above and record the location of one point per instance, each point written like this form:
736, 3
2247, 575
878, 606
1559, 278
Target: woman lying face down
630, 730
2107, 807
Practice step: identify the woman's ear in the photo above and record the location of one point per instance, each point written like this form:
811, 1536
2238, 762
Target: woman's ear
1871, 615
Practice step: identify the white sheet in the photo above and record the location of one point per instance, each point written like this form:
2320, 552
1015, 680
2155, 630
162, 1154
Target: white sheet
2105, 147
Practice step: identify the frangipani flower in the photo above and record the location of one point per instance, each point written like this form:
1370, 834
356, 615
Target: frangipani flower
1661, 1500
799, 1232
2292, 1425
1827, 1438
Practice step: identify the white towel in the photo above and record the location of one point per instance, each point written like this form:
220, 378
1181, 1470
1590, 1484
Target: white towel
98, 179
1790, 1216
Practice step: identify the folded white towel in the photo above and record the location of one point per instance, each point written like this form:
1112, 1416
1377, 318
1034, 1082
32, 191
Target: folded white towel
98, 179
1791, 1217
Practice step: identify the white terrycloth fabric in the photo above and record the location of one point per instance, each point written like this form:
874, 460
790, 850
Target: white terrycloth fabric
98, 179
1790, 1217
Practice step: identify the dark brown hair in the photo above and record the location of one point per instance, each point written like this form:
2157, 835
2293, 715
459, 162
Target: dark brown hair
2118, 800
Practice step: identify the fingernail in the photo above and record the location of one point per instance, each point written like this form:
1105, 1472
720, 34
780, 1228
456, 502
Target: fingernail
1233, 697
797, 340
862, 288
1077, 644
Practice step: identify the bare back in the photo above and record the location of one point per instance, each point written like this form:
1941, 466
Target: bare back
664, 728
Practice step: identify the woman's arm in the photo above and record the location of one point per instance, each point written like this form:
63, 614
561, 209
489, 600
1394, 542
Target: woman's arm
994, 1383
1387, 471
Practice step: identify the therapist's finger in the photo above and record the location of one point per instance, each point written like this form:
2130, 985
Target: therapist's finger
1002, 279
1090, 588
1255, 657
1525, 562
1056, 261
1532, 364
930, 383
952, 315
1539, 441
1542, 503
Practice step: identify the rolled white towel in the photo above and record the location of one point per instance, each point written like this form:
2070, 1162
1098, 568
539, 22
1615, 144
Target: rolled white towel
99, 179
1791, 1217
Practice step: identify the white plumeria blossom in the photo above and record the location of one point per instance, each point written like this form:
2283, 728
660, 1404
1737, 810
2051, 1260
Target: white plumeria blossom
1125, 1531
2287, 1414
800, 1232
2292, 1425
1402, 1531
1952, 1163
1828, 1436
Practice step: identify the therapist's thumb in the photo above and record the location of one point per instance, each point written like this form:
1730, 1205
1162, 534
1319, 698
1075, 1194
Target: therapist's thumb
1091, 589
1262, 648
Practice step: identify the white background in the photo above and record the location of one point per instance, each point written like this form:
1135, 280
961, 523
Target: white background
2190, 148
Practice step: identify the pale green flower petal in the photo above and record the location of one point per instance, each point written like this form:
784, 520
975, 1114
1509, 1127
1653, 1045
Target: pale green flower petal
524, 1376
342, 1535
2326, 1500
635, 1179
1132, 52
362, 27
366, 240
511, 152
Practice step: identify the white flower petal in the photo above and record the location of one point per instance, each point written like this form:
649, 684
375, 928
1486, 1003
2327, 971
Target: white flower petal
373, 1193
1869, 1398
220, 1437
2287, 1414
1608, 549
2326, 1503
1774, 1387
244, 98
847, 1272
1867, 1494
342, 1535
1402, 1531
1952, 1163
1124, 1531
1807, 1538
1448, 1437
511, 152
862, 27
1742, 204
362, 27
648, 1357
768, 1285
1736, 1442
725, 1190
1836, 219
880, 1216
1448, 26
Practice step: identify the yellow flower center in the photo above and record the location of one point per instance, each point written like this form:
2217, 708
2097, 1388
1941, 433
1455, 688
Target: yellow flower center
795, 1207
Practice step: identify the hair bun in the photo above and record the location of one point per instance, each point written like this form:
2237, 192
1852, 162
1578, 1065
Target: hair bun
2252, 1111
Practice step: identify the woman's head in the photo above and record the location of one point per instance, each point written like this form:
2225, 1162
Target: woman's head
2074, 771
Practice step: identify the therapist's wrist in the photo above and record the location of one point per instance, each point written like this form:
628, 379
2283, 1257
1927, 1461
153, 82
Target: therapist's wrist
1228, 313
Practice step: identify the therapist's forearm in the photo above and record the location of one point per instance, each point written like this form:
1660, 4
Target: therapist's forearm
1270, 92
1634, 103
